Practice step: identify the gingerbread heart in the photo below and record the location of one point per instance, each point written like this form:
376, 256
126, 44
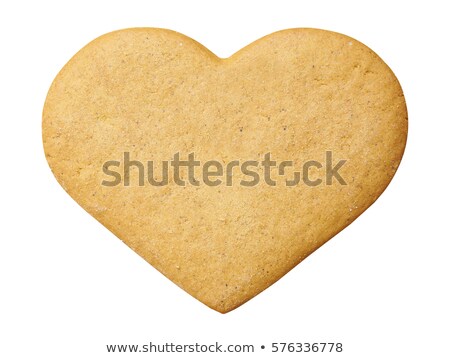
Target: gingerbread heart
224, 174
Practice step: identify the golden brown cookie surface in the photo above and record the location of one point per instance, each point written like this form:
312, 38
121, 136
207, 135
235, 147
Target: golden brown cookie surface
297, 94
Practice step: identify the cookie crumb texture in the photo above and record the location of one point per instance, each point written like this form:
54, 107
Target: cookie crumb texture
295, 93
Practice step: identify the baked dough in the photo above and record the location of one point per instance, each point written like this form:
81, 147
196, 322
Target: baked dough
296, 93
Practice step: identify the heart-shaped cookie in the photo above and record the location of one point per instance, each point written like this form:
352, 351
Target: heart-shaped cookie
141, 125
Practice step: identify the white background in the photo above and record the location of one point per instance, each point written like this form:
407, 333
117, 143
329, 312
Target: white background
69, 287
